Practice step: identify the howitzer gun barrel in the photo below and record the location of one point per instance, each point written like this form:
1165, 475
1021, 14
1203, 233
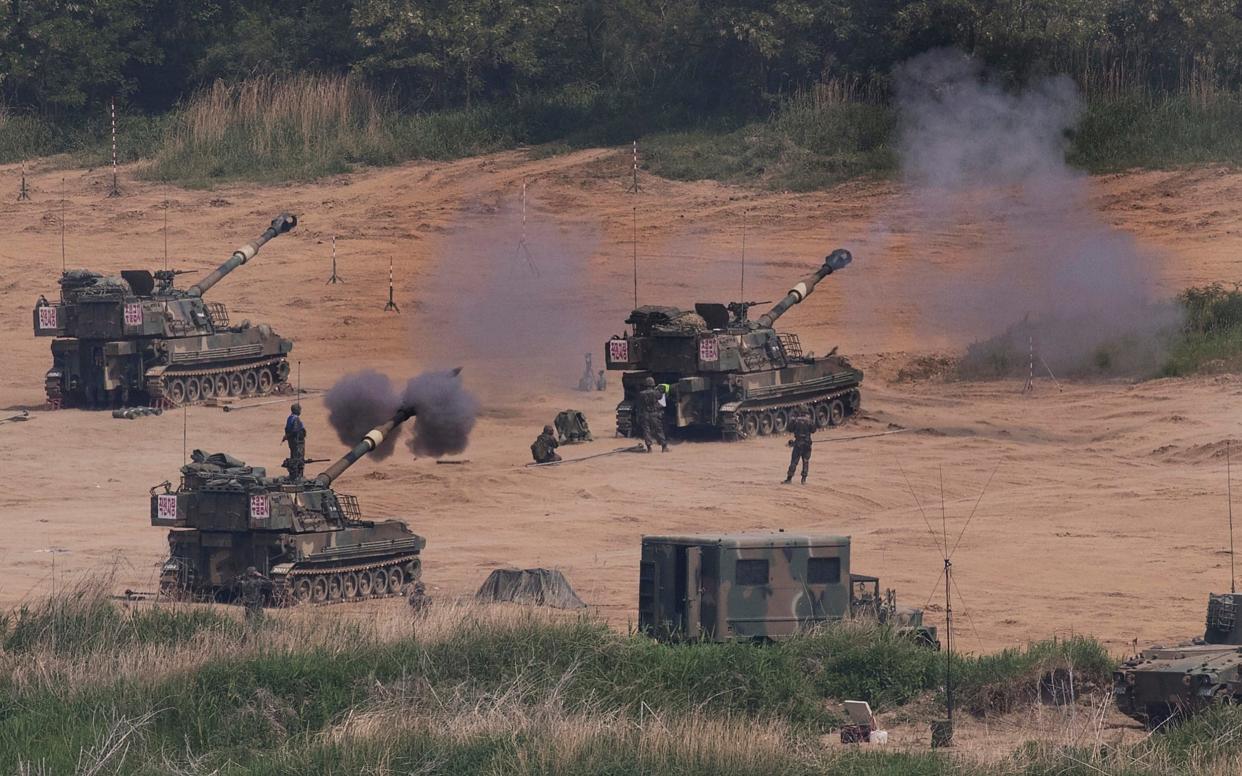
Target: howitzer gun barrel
374, 438
832, 262
280, 224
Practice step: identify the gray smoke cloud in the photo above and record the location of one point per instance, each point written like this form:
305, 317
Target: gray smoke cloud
515, 301
981, 160
359, 402
445, 412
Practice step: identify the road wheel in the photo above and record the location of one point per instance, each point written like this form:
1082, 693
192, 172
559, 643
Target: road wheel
221, 384
749, 424
192, 390
265, 382
236, 384
336, 587
412, 571
782, 421
767, 421
207, 387
319, 590
364, 584
251, 381
350, 584
379, 581
396, 579
836, 413
822, 418
302, 590
176, 390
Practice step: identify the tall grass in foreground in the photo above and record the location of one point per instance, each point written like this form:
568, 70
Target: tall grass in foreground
488, 688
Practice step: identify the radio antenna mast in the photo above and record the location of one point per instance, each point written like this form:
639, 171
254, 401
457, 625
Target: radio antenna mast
1229, 493
62, 225
742, 292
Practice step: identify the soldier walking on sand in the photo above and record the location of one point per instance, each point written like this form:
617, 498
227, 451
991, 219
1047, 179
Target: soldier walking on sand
295, 435
801, 426
651, 415
544, 448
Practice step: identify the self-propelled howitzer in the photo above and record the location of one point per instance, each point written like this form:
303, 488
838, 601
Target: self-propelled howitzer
730, 373
136, 338
310, 542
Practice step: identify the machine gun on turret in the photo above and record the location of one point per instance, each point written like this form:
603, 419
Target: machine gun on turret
738, 311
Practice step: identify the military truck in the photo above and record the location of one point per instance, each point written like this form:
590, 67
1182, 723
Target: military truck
758, 586
308, 541
1166, 682
136, 338
725, 372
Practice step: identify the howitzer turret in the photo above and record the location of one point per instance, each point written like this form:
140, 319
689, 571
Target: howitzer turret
309, 541
136, 338
280, 224
730, 373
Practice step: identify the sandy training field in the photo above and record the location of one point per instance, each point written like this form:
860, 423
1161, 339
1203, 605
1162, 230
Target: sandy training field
1106, 508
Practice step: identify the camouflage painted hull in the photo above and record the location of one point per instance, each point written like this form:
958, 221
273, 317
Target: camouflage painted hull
1163, 683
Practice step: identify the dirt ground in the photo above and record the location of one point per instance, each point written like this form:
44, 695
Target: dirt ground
1106, 509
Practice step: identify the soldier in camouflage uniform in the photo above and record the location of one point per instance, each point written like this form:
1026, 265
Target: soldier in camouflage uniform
801, 426
544, 448
651, 415
253, 586
295, 435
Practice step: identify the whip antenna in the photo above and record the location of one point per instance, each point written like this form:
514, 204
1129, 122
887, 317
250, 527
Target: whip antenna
62, 225
1229, 494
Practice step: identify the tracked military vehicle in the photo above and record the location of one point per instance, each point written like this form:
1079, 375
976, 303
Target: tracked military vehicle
136, 338
1166, 682
308, 541
726, 372
759, 586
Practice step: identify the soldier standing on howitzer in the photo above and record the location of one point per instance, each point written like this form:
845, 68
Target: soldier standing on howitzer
651, 404
295, 435
544, 448
801, 426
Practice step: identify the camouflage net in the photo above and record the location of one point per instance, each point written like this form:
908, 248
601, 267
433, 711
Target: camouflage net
538, 587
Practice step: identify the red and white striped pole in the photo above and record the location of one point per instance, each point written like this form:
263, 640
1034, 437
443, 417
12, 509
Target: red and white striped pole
116, 191
23, 192
634, 182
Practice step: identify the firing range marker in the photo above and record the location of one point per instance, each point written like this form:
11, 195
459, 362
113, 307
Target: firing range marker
392, 304
23, 191
338, 279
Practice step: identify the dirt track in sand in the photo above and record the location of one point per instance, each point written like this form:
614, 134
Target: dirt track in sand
1105, 515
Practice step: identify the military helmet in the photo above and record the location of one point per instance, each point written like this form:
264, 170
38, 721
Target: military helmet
548, 430
649, 382
296, 409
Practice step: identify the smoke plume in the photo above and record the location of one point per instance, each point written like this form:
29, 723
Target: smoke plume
982, 160
445, 412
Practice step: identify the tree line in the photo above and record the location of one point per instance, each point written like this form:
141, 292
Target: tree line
64, 59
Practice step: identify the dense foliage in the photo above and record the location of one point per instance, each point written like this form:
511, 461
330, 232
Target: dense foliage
67, 58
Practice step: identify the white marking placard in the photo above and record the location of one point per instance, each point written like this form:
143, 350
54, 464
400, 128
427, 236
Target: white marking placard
133, 314
47, 317
166, 507
619, 350
260, 509
709, 349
